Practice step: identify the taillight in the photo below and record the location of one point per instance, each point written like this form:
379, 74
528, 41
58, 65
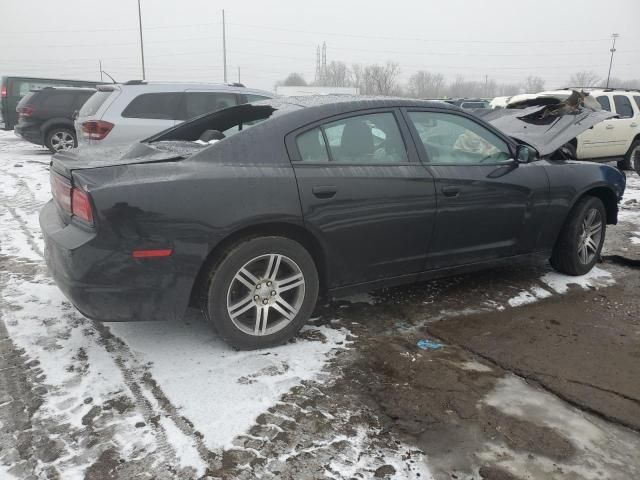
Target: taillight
96, 129
3, 91
72, 200
24, 112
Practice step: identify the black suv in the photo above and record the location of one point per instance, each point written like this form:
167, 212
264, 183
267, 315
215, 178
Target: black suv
45, 117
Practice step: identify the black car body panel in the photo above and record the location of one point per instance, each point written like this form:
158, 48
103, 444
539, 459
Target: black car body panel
366, 225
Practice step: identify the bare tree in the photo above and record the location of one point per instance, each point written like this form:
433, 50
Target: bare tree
465, 88
293, 80
533, 84
423, 84
508, 89
376, 79
615, 82
336, 75
584, 79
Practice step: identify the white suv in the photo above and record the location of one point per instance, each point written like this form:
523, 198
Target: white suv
123, 113
615, 139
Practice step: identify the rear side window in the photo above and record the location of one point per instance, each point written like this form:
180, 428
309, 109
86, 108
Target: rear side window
58, 101
25, 100
637, 99
623, 106
158, 106
603, 100
199, 103
94, 103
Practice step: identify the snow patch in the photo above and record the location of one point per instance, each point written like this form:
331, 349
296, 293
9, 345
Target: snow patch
596, 278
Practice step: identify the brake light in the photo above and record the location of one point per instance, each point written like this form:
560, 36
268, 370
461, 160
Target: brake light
96, 129
3, 91
80, 205
25, 111
72, 200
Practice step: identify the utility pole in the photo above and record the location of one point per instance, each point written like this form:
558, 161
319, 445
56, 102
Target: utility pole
239, 75
141, 43
100, 66
224, 46
612, 50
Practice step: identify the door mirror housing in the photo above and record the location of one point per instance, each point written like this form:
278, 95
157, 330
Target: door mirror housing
526, 154
75, 114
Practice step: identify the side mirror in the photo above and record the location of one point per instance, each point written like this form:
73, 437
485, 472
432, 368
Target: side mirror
525, 154
75, 114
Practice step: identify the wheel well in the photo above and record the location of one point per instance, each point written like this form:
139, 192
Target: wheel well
608, 199
280, 229
54, 125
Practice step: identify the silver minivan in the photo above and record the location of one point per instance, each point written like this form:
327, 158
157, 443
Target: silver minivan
123, 113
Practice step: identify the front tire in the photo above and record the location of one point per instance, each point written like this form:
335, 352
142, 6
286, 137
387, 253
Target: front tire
262, 292
632, 158
580, 242
60, 138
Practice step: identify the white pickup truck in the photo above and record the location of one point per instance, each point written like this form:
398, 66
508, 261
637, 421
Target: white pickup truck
616, 139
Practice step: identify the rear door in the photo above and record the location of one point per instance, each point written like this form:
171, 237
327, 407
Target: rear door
626, 126
489, 206
364, 194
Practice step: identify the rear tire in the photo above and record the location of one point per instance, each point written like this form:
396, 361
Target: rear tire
261, 292
632, 158
580, 241
60, 138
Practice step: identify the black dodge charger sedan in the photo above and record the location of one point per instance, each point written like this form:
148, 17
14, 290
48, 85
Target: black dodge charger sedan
253, 211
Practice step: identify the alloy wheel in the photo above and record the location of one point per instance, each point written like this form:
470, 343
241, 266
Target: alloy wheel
266, 294
62, 141
590, 236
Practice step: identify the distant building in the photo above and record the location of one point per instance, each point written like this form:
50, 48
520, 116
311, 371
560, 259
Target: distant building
283, 91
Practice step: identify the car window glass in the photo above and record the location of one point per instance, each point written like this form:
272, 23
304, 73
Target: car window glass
637, 99
456, 140
254, 98
161, 106
312, 147
603, 100
623, 106
373, 138
92, 105
58, 101
199, 103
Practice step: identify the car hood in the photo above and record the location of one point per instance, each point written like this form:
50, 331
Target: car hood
84, 158
546, 127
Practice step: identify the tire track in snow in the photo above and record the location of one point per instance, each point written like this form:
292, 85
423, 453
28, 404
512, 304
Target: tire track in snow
135, 375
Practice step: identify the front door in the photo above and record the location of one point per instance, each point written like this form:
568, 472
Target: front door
488, 204
365, 195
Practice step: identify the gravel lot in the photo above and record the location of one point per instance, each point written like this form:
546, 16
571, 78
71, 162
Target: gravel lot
536, 377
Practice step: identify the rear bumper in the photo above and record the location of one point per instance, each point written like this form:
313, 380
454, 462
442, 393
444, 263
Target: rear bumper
33, 135
105, 284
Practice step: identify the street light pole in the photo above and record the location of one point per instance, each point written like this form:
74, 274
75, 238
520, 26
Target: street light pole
224, 47
141, 42
612, 50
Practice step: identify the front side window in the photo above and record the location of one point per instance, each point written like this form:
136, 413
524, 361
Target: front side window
199, 103
623, 106
454, 140
159, 106
603, 100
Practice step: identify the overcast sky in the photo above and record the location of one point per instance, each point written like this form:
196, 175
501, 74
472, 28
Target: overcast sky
504, 39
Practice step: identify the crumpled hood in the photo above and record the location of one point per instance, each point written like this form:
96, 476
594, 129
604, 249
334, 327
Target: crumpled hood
545, 127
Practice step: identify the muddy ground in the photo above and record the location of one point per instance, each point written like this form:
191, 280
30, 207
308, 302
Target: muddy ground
529, 377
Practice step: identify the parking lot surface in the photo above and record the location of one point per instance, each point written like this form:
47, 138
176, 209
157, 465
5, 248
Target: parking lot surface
512, 373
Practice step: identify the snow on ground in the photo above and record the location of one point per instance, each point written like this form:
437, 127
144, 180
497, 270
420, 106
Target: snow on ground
596, 440
221, 391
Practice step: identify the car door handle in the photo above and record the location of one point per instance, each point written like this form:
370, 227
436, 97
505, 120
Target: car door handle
609, 127
450, 191
633, 125
325, 191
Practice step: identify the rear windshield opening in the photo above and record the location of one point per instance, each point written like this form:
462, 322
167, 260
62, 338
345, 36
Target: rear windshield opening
228, 122
94, 103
